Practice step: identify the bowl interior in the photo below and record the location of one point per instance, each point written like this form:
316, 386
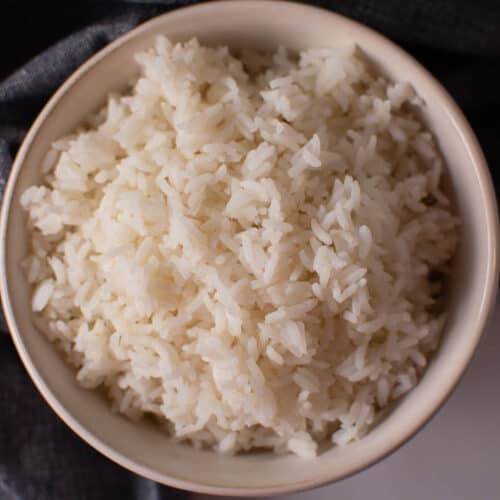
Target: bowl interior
141, 446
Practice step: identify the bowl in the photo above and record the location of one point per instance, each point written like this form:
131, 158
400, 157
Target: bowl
142, 447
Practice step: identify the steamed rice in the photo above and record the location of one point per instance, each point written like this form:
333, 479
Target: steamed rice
243, 247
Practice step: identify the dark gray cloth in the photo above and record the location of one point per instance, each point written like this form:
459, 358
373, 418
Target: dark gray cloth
41, 459
459, 41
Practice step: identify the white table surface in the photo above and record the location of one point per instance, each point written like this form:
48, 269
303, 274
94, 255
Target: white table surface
455, 457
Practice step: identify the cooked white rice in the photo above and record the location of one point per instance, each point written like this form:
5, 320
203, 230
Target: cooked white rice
243, 247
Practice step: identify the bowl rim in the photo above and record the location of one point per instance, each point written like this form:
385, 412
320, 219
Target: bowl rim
467, 137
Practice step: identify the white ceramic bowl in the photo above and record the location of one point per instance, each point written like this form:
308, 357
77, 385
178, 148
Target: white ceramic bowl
141, 447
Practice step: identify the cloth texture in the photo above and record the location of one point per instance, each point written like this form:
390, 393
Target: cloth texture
458, 41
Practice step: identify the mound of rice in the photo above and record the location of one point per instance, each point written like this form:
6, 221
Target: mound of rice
249, 248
